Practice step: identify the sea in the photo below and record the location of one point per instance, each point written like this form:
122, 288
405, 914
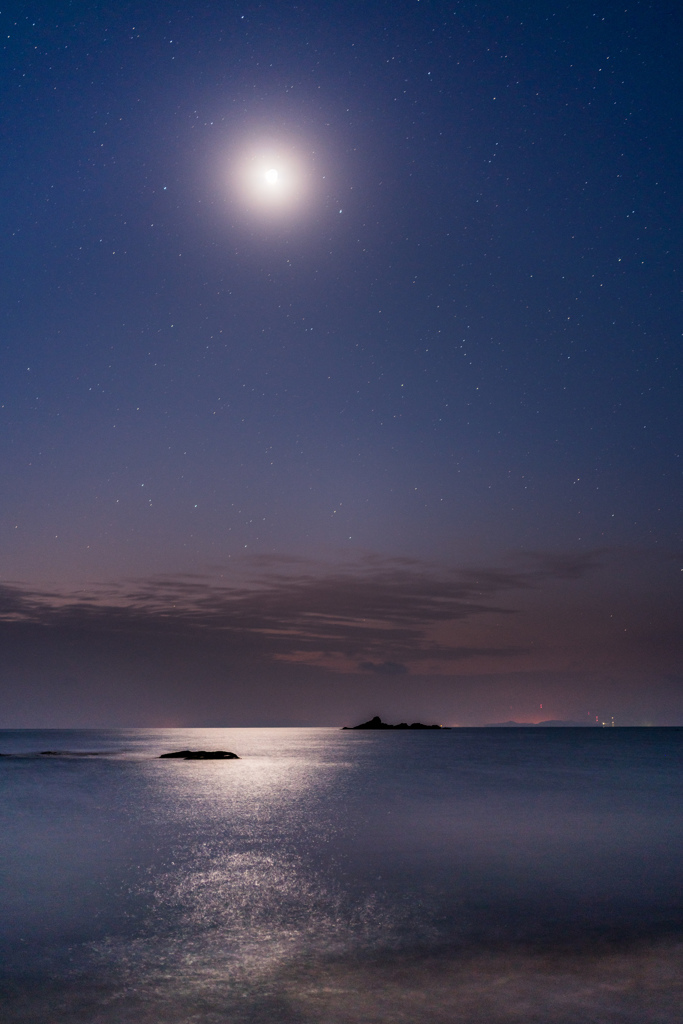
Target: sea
342, 877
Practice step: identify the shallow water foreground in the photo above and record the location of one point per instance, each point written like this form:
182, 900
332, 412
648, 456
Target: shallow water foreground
339, 878
640, 985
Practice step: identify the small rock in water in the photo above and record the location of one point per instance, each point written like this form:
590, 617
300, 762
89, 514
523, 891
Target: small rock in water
374, 723
69, 753
377, 723
202, 755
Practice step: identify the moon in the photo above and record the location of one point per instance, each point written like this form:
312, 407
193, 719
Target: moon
271, 180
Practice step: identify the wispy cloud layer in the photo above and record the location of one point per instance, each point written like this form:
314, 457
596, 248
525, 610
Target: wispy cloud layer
379, 614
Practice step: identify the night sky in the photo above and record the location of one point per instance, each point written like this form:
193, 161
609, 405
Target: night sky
341, 352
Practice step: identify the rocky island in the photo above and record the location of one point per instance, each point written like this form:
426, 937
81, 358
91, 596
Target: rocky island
377, 723
202, 755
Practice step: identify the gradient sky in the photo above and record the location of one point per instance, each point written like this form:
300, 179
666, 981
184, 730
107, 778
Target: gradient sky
406, 443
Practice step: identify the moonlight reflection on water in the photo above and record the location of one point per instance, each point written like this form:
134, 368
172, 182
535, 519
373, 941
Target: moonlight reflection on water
336, 878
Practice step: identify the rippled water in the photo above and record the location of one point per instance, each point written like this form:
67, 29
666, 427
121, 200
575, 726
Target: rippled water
328, 876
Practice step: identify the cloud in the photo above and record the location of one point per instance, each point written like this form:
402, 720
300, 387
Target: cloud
280, 641
379, 613
561, 565
383, 668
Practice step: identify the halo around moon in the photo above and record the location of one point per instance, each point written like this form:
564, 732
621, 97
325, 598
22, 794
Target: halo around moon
271, 181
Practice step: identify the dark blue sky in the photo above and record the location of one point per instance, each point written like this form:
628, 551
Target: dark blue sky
455, 364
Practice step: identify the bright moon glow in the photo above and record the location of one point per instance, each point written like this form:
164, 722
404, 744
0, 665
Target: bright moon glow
272, 180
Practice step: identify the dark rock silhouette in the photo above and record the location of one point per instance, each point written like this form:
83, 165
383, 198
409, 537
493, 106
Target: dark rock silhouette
202, 755
70, 753
377, 723
374, 723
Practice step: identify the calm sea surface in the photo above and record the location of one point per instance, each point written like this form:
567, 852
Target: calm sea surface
488, 875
